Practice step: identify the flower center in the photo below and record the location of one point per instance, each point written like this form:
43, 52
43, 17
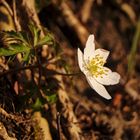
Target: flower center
95, 66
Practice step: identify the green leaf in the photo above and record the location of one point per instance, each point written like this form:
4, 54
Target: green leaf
26, 56
38, 104
12, 34
132, 55
35, 33
50, 95
47, 40
13, 49
18, 36
52, 98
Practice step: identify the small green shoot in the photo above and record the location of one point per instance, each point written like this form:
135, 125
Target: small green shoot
24, 42
131, 58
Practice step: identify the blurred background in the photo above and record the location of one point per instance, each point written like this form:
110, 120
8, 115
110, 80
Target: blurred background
48, 102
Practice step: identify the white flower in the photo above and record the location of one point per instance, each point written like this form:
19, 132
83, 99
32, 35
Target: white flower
91, 63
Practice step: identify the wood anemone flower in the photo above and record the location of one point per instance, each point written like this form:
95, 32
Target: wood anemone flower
91, 63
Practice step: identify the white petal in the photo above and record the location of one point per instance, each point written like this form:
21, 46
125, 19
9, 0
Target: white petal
102, 52
110, 78
100, 89
80, 59
90, 48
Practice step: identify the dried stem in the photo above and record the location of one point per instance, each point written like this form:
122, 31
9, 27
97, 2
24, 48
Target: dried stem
73, 22
7, 6
86, 10
17, 24
3, 133
68, 113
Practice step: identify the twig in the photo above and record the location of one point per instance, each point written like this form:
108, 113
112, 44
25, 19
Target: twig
7, 6
4, 113
7, 115
59, 126
17, 24
86, 10
49, 72
73, 22
68, 113
3, 133
17, 70
52, 72
60, 133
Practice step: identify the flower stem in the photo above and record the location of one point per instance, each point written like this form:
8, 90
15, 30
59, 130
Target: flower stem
49, 72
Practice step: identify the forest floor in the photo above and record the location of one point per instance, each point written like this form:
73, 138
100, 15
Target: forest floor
114, 25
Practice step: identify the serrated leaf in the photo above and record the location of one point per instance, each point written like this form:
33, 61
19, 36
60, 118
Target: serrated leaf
47, 40
13, 49
35, 33
18, 36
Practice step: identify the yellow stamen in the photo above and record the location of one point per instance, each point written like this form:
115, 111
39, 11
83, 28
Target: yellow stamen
95, 66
